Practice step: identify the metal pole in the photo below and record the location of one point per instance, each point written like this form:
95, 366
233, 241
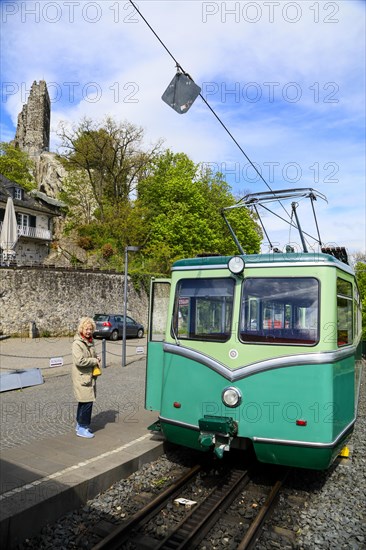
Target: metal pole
127, 250
104, 354
125, 309
294, 206
241, 251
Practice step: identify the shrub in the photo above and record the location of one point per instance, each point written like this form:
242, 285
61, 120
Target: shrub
86, 243
107, 251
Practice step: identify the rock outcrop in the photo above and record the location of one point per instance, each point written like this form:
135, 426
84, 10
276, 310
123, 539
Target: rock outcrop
49, 173
33, 129
33, 137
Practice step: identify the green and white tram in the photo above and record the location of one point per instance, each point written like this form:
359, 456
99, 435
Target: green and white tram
258, 350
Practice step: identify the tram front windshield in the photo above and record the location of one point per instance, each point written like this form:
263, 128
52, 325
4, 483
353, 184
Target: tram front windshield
280, 310
283, 310
203, 309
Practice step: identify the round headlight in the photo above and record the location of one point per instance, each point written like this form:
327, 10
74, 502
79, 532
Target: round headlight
231, 397
236, 265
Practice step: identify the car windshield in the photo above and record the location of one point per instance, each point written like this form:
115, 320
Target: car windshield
101, 317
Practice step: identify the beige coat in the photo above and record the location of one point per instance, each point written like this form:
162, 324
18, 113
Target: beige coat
84, 358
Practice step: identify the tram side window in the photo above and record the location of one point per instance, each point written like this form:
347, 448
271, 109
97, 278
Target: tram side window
357, 314
159, 310
344, 312
203, 309
280, 310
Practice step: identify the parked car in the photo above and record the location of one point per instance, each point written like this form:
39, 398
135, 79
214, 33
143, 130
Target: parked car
111, 326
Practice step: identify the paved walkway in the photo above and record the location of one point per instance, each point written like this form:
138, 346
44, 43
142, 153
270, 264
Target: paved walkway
46, 470
27, 353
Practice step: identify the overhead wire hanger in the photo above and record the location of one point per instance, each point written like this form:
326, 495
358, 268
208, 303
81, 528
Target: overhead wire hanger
341, 253
180, 68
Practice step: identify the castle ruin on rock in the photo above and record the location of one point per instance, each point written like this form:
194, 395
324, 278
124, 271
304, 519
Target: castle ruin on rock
33, 129
33, 137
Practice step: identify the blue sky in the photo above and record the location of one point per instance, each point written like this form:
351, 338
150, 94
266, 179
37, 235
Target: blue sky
287, 78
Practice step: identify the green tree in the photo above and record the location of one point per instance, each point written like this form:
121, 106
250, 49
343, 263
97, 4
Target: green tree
183, 203
111, 155
123, 225
119, 194
17, 166
78, 195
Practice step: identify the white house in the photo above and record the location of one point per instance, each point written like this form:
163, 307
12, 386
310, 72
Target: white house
35, 212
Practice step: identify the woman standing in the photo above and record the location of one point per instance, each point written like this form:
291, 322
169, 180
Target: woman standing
84, 360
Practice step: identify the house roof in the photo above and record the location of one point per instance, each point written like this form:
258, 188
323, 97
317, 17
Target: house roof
39, 204
45, 198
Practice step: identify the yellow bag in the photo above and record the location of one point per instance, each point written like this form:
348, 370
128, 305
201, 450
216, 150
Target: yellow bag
96, 371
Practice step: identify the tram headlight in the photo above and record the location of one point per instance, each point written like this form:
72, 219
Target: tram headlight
236, 265
231, 397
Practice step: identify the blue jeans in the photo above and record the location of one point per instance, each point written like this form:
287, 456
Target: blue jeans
83, 414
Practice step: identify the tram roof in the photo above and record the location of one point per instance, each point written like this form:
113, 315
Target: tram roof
273, 258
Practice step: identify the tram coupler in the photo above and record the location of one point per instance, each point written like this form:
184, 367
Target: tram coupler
221, 447
217, 432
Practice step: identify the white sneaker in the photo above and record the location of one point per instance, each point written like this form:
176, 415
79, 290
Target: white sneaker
84, 432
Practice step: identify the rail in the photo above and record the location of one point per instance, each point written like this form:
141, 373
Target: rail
33, 232
192, 529
113, 540
199, 519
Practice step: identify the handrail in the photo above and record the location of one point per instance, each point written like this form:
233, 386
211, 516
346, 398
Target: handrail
33, 232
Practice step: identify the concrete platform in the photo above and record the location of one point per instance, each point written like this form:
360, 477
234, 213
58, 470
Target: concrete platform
42, 481
49, 475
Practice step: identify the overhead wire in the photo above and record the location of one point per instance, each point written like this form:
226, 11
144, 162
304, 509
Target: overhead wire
179, 66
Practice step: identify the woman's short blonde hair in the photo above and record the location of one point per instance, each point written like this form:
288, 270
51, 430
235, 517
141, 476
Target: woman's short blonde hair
84, 322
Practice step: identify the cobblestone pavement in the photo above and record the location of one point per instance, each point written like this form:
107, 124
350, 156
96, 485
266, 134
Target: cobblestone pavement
37, 412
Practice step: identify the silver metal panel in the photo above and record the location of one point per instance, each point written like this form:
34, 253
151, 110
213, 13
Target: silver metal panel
260, 366
200, 268
312, 444
267, 440
13, 380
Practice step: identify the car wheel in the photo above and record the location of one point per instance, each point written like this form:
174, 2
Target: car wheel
114, 335
140, 333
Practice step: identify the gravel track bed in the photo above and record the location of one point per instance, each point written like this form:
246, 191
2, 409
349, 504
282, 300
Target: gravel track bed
323, 510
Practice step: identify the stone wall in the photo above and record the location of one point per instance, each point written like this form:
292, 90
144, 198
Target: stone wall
55, 299
31, 252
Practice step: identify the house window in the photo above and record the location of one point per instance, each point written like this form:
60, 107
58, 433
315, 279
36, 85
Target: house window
18, 193
23, 220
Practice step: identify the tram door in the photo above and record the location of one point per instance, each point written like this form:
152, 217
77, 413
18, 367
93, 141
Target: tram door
158, 318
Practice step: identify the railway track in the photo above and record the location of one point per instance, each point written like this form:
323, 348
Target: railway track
196, 521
